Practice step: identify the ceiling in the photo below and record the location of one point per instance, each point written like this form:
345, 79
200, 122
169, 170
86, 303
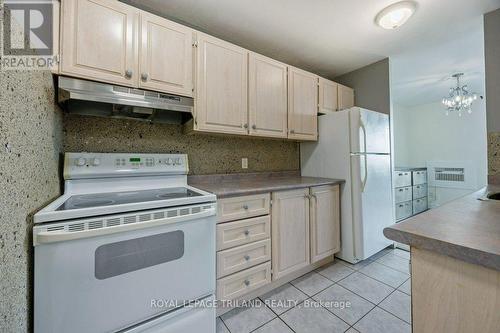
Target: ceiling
332, 37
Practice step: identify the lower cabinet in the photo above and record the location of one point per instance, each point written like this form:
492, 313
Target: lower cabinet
290, 231
325, 222
295, 229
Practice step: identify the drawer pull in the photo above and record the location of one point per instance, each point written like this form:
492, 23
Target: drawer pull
247, 257
245, 207
246, 232
246, 282
400, 190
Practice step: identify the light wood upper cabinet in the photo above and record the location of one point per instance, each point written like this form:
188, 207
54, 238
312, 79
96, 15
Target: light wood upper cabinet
290, 231
221, 92
99, 41
302, 105
267, 96
345, 97
325, 222
327, 95
166, 56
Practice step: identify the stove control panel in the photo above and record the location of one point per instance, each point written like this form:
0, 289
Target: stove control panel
100, 165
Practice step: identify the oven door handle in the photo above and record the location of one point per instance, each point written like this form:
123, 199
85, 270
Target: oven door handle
47, 237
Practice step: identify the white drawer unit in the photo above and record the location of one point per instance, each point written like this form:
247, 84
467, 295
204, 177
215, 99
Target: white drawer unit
419, 191
235, 208
419, 177
243, 282
243, 257
419, 205
403, 210
237, 233
402, 194
402, 178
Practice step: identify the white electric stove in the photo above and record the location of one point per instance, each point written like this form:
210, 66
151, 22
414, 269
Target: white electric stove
128, 247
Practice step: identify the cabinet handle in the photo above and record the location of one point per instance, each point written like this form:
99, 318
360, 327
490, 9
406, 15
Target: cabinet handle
400, 190
128, 73
245, 207
246, 282
292, 131
144, 76
254, 126
246, 232
245, 126
247, 257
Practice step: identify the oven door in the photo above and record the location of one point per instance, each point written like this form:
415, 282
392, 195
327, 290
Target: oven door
110, 278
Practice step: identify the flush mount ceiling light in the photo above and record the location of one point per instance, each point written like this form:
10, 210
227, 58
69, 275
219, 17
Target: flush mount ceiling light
395, 15
459, 99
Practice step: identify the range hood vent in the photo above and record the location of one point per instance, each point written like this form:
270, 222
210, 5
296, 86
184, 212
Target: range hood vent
106, 100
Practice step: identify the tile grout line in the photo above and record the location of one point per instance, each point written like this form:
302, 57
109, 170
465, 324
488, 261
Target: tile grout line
377, 306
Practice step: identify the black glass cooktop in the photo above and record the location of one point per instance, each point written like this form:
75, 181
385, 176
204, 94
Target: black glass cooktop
119, 198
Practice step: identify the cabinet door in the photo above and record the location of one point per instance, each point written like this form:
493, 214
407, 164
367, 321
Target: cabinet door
290, 231
302, 105
345, 97
267, 96
166, 57
99, 41
327, 95
221, 87
325, 222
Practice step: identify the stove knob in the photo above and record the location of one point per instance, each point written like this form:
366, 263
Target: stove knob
81, 161
96, 162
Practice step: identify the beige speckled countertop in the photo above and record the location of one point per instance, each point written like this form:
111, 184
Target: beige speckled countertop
227, 185
467, 229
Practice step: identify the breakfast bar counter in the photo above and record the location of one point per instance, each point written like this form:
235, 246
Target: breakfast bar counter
455, 264
467, 229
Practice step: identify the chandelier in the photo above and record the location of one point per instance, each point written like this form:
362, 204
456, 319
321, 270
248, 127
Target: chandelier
460, 99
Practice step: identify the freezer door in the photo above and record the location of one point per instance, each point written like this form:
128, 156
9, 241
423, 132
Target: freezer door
369, 131
371, 202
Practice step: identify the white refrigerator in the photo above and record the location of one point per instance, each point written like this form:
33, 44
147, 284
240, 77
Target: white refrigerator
354, 145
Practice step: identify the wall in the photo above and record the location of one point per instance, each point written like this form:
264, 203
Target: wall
30, 137
207, 153
371, 85
492, 63
424, 133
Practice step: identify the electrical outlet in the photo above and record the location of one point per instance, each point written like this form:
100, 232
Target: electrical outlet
244, 163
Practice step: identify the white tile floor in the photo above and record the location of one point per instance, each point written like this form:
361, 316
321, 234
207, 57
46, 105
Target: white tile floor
370, 297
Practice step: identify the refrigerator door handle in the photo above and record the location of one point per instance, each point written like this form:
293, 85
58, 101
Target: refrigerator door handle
363, 182
363, 128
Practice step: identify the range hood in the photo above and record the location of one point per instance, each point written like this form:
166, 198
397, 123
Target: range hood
106, 100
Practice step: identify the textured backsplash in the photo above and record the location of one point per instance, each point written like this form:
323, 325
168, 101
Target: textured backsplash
207, 153
494, 157
31, 140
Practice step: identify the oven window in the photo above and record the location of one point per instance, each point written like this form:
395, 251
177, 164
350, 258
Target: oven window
131, 255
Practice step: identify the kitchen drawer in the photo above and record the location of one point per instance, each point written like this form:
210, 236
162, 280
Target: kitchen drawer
402, 194
403, 210
242, 232
243, 257
402, 178
236, 208
419, 205
419, 191
241, 283
419, 177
